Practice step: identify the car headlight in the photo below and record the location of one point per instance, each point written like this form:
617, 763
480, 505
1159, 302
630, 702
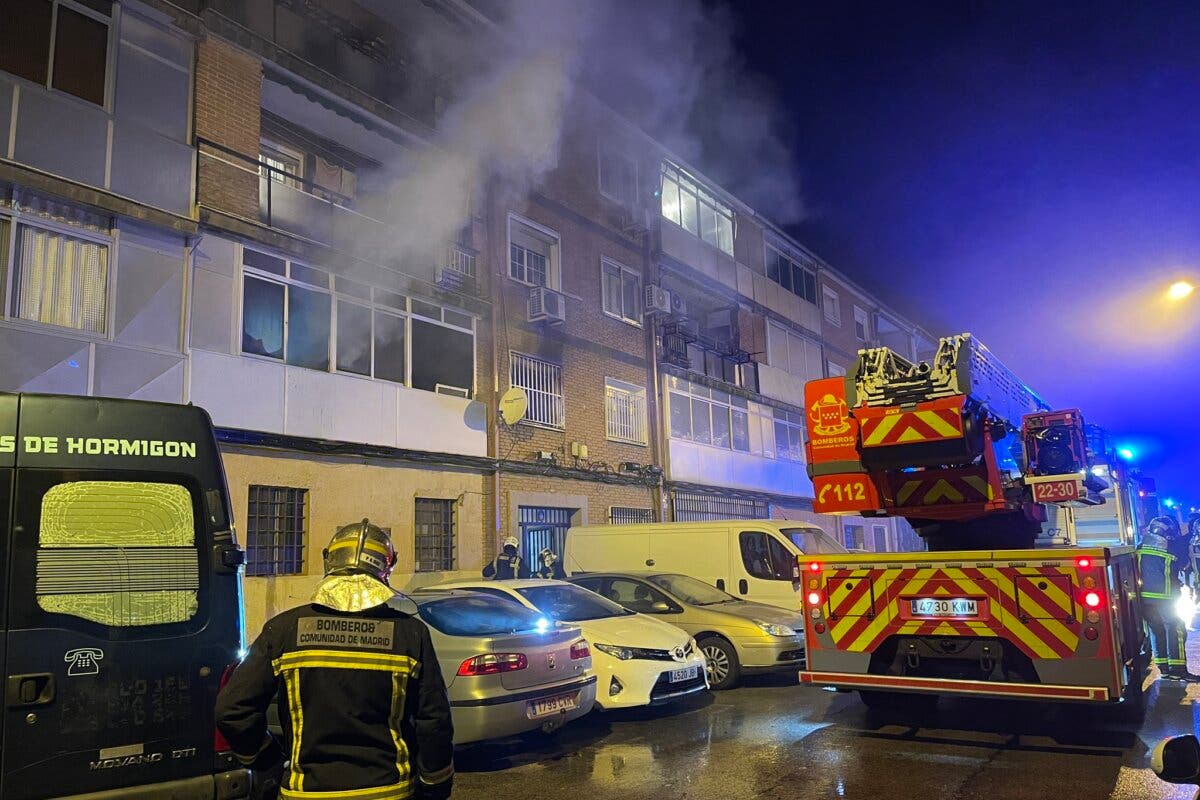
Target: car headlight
616, 651
773, 629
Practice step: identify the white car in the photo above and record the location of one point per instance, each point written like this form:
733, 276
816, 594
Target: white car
639, 660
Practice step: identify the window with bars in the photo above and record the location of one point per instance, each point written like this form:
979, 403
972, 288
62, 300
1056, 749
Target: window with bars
276, 521
434, 527
698, 507
621, 515
58, 279
542, 382
625, 411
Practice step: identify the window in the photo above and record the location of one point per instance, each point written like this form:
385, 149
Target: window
625, 411
708, 416
619, 515
617, 175
621, 289
569, 603
833, 306
532, 254
792, 352
835, 370
276, 520
498, 615
59, 44
791, 274
59, 279
879, 534
639, 596
854, 537
689, 206
291, 313
542, 382
862, 324
789, 435
699, 507
812, 542
281, 163
118, 553
767, 558
434, 526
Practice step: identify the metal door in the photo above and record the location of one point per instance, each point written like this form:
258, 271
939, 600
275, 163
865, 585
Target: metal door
542, 527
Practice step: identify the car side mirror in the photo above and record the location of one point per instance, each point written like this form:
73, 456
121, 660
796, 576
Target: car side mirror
661, 608
1177, 760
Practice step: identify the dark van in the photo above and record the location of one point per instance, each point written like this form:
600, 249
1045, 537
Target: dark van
120, 602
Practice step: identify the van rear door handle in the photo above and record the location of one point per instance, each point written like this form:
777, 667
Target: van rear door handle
721, 584
23, 691
742, 586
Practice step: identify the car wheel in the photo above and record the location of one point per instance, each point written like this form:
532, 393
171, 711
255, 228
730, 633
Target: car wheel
721, 661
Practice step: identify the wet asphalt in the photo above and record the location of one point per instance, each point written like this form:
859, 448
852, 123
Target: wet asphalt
773, 738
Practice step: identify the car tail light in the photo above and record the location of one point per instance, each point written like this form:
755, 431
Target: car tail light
1092, 600
580, 650
219, 743
493, 664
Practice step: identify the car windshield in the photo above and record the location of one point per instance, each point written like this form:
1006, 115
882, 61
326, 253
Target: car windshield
568, 603
813, 542
690, 590
476, 615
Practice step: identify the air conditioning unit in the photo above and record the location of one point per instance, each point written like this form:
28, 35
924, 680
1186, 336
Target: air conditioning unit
457, 391
546, 305
678, 305
451, 279
658, 300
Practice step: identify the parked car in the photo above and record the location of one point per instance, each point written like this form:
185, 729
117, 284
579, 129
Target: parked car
507, 668
736, 637
639, 659
753, 559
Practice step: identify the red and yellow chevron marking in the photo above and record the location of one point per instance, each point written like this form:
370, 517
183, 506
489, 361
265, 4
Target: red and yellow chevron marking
1029, 607
943, 490
904, 427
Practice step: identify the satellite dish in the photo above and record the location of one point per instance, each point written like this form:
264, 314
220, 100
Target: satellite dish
513, 405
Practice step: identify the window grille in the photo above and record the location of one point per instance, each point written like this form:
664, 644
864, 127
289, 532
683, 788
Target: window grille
619, 515
434, 526
276, 519
626, 411
697, 507
542, 382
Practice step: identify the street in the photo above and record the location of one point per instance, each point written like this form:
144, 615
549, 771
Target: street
774, 739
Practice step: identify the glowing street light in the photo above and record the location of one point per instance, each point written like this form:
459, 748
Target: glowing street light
1180, 290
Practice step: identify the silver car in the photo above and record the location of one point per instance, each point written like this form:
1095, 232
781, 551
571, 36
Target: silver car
507, 668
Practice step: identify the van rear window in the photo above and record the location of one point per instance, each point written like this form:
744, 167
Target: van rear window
118, 553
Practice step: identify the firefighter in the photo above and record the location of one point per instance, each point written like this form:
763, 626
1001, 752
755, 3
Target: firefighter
508, 564
550, 567
355, 649
1161, 586
1193, 539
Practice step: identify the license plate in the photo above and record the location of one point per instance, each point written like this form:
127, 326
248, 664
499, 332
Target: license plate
551, 705
1056, 491
944, 607
685, 674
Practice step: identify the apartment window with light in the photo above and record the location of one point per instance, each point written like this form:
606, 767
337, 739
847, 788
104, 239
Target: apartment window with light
532, 254
542, 382
59, 44
433, 547
58, 278
621, 289
832, 305
708, 416
862, 324
790, 273
617, 174
792, 352
281, 164
698, 212
625, 411
789, 435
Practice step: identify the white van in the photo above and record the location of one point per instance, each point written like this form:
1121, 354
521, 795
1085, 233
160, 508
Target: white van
753, 559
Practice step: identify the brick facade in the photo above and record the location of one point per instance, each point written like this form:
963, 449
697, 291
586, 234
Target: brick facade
228, 112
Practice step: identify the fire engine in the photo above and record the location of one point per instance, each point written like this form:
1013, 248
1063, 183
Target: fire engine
972, 458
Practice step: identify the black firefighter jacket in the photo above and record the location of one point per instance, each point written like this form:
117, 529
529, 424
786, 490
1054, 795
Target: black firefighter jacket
362, 704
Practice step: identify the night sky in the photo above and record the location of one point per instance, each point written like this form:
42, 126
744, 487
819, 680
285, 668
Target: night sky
1029, 172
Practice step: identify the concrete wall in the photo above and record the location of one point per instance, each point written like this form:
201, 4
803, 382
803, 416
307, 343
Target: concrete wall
342, 491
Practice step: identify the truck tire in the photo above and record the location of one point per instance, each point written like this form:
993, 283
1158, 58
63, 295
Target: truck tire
724, 669
898, 702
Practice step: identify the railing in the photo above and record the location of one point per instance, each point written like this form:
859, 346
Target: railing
460, 260
542, 382
626, 417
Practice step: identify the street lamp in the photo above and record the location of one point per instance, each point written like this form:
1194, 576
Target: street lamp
1180, 290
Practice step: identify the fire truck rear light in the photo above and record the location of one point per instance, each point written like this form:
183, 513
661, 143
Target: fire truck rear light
1093, 617
814, 566
814, 612
1083, 563
493, 664
819, 627
814, 584
814, 598
580, 650
1092, 600
1091, 634
1089, 582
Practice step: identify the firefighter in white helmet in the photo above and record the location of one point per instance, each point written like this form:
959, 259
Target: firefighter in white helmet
508, 564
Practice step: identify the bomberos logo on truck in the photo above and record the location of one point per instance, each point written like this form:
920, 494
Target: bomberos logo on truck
96, 446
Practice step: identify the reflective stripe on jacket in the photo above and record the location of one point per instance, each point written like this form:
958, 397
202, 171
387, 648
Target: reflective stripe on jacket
1155, 567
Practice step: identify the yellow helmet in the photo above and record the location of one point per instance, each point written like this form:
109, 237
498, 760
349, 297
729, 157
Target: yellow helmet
360, 548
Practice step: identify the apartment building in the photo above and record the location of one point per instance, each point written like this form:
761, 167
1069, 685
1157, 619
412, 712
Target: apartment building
194, 207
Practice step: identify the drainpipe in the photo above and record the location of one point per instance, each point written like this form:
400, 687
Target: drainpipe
658, 450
